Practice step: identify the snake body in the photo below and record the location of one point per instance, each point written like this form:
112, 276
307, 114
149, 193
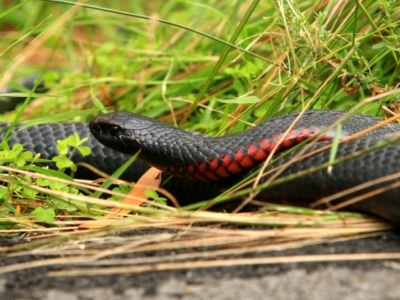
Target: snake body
202, 167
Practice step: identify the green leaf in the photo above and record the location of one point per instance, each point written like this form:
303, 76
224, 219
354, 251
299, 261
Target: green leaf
230, 71
46, 215
9, 207
3, 192
75, 140
10, 154
42, 182
56, 185
29, 193
84, 150
19, 161
63, 162
4, 145
151, 194
382, 45
241, 100
17, 148
26, 155
65, 205
62, 147
72, 140
72, 190
50, 172
124, 188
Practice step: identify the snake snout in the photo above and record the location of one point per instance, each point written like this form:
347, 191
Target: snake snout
112, 132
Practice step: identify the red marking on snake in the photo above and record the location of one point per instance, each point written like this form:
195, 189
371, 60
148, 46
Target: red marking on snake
278, 137
227, 160
300, 138
223, 172
260, 155
210, 174
200, 176
257, 151
305, 132
292, 134
202, 167
214, 164
240, 155
235, 167
253, 149
227, 164
248, 162
190, 169
266, 144
287, 143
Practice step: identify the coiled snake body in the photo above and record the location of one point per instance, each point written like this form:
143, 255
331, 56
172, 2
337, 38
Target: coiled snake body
204, 166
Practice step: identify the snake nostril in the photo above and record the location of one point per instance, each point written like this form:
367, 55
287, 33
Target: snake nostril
95, 127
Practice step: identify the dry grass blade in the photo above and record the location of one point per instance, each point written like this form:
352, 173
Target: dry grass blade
187, 265
215, 245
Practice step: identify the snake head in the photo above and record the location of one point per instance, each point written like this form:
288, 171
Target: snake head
121, 131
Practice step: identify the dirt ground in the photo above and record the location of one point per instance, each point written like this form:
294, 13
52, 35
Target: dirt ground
333, 280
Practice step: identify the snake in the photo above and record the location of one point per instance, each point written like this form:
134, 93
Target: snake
197, 167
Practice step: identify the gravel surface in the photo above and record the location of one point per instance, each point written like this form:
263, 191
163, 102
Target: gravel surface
333, 280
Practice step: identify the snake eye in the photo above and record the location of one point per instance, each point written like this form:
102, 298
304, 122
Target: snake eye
113, 130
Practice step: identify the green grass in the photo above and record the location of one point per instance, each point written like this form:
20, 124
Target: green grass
207, 66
